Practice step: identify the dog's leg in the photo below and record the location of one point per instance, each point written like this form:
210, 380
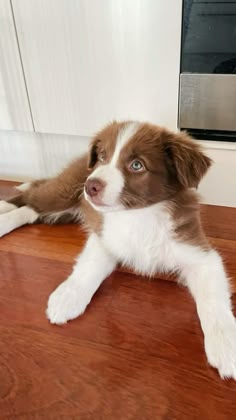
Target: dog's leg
16, 212
8, 205
70, 299
25, 186
5, 207
208, 283
16, 218
53, 200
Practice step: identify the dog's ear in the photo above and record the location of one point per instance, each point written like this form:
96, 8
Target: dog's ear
93, 153
185, 158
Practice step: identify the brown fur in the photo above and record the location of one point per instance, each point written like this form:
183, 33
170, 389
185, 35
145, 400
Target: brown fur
92, 220
185, 210
156, 183
64, 193
173, 164
57, 194
186, 159
104, 143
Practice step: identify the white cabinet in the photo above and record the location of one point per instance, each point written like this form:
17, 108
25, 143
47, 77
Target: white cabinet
14, 105
89, 61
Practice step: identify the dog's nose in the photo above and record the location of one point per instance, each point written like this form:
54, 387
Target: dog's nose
93, 186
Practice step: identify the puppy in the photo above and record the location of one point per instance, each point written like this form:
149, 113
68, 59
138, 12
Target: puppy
135, 194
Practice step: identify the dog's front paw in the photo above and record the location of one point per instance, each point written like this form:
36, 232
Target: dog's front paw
67, 302
220, 346
5, 222
6, 207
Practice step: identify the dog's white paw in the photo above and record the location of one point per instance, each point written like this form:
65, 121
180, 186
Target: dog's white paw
23, 187
16, 218
220, 346
5, 207
67, 302
5, 224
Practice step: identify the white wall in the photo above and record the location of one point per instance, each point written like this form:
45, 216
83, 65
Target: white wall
14, 106
219, 185
87, 62
26, 156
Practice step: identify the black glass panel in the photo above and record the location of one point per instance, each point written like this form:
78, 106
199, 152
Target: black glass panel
209, 37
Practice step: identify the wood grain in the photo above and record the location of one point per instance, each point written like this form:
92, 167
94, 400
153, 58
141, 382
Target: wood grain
137, 352
219, 221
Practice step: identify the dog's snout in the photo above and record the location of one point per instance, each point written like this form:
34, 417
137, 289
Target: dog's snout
94, 186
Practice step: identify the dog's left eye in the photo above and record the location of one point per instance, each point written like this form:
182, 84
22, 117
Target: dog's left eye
101, 157
136, 166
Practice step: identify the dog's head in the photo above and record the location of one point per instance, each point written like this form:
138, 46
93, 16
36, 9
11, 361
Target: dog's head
135, 164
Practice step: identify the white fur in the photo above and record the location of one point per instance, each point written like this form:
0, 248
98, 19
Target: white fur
111, 175
23, 187
144, 239
70, 299
16, 218
139, 238
5, 207
114, 184
124, 136
207, 281
51, 218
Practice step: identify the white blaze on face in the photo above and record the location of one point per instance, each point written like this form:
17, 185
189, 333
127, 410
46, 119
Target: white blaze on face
123, 138
110, 174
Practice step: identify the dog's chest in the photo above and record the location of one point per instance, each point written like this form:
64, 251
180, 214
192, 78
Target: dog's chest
140, 238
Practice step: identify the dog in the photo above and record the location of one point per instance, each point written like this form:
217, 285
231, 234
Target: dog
135, 193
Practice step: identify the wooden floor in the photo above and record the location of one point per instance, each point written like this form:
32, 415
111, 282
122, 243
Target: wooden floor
137, 353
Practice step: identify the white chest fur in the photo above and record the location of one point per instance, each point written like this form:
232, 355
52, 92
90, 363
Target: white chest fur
141, 238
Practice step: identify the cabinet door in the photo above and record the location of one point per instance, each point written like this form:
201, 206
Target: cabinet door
14, 105
89, 61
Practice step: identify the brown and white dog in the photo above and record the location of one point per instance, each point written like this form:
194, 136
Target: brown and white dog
135, 193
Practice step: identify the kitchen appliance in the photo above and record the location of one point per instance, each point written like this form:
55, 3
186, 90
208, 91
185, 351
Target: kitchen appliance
207, 102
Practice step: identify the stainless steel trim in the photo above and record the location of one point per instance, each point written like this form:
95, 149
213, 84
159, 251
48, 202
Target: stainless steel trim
207, 101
